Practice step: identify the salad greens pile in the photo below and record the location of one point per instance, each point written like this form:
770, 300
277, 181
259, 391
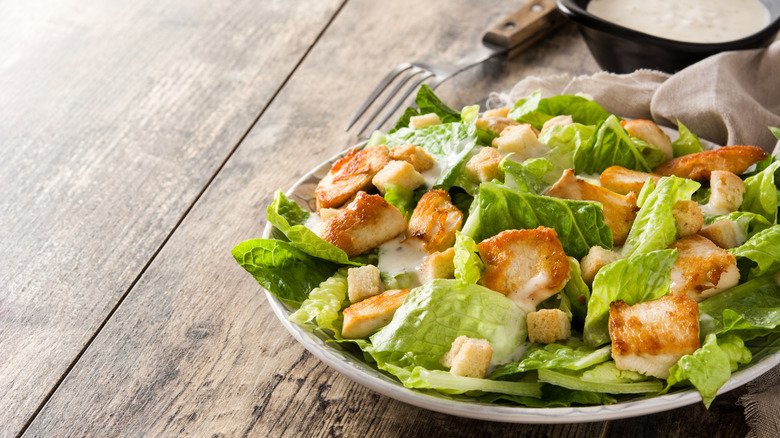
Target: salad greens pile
308, 274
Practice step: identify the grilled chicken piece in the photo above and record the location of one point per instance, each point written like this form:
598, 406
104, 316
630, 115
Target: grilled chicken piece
649, 132
435, 221
495, 113
619, 210
365, 317
622, 180
495, 124
699, 166
702, 269
349, 175
652, 336
528, 266
726, 193
414, 155
367, 222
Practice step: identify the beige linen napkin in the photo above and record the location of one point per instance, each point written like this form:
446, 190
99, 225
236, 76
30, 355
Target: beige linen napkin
729, 98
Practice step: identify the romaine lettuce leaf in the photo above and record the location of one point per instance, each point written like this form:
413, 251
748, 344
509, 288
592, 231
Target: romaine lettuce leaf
641, 277
687, 142
324, 303
448, 383
282, 269
750, 223
400, 197
571, 356
654, 227
427, 102
579, 224
761, 193
563, 140
604, 377
554, 396
577, 292
526, 177
609, 146
763, 249
651, 153
775, 132
468, 265
750, 310
536, 110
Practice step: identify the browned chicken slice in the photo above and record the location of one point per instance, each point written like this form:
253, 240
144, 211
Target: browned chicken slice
652, 336
367, 222
702, 269
622, 180
528, 266
649, 132
365, 317
435, 221
349, 175
699, 166
619, 210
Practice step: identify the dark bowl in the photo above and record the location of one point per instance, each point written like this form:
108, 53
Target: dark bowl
622, 50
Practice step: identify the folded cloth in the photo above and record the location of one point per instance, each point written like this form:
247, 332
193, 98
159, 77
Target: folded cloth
730, 98
762, 405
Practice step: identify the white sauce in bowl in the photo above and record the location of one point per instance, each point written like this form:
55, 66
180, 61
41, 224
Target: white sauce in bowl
694, 21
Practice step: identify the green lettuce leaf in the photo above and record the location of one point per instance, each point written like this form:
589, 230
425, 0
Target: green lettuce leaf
526, 177
641, 277
563, 140
536, 110
468, 265
761, 193
750, 223
655, 227
609, 146
427, 102
324, 303
577, 292
651, 153
604, 377
579, 224
282, 269
448, 383
750, 310
401, 198
571, 356
554, 396
687, 142
763, 249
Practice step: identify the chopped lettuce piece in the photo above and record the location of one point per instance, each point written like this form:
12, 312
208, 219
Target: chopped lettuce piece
427, 102
448, 383
775, 132
577, 292
641, 277
554, 396
750, 310
687, 142
324, 303
579, 224
609, 146
651, 153
400, 197
468, 265
525, 177
604, 377
563, 140
570, 356
536, 110
750, 223
761, 193
655, 227
763, 249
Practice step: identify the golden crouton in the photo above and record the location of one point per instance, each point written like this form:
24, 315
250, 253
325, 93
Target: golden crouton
365, 317
399, 173
622, 180
699, 166
619, 210
520, 140
649, 132
726, 190
652, 336
546, 326
596, 259
363, 282
349, 175
496, 125
435, 221
414, 155
687, 217
484, 165
438, 265
725, 233
495, 113
556, 121
702, 269
468, 357
423, 121
367, 222
528, 266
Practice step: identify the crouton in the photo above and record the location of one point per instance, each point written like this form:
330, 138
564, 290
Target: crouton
399, 173
349, 175
726, 193
414, 155
438, 265
423, 121
649, 132
702, 269
622, 180
528, 266
556, 121
520, 140
699, 166
619, 210
435, 221
484, 165
365, 317
596, 259
497, 112
327, 214
650, 337
468, 357
687, 217
363, 282
546, 326
367, 222
496, 125
725, 233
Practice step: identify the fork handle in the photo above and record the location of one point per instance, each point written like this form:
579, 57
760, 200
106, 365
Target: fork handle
526, 26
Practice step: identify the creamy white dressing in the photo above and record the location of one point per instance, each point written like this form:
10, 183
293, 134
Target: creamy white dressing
695, 21
431, 175
401, 255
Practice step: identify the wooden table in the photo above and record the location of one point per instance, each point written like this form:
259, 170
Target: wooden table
141, 141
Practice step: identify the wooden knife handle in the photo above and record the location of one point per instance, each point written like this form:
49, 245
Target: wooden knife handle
524, 27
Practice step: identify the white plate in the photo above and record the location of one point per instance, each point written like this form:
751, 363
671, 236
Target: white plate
362, 373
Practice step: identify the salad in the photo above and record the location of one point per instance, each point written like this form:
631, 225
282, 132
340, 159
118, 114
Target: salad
547, 254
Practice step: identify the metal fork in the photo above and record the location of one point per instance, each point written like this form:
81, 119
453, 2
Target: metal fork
515, 33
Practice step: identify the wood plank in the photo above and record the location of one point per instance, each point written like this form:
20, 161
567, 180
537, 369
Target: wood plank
115, 115
194, 349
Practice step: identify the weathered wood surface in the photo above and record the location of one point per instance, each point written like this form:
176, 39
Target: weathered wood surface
194, 348
115, 115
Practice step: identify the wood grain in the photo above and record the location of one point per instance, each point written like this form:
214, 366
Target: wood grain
115, 115
194, 349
